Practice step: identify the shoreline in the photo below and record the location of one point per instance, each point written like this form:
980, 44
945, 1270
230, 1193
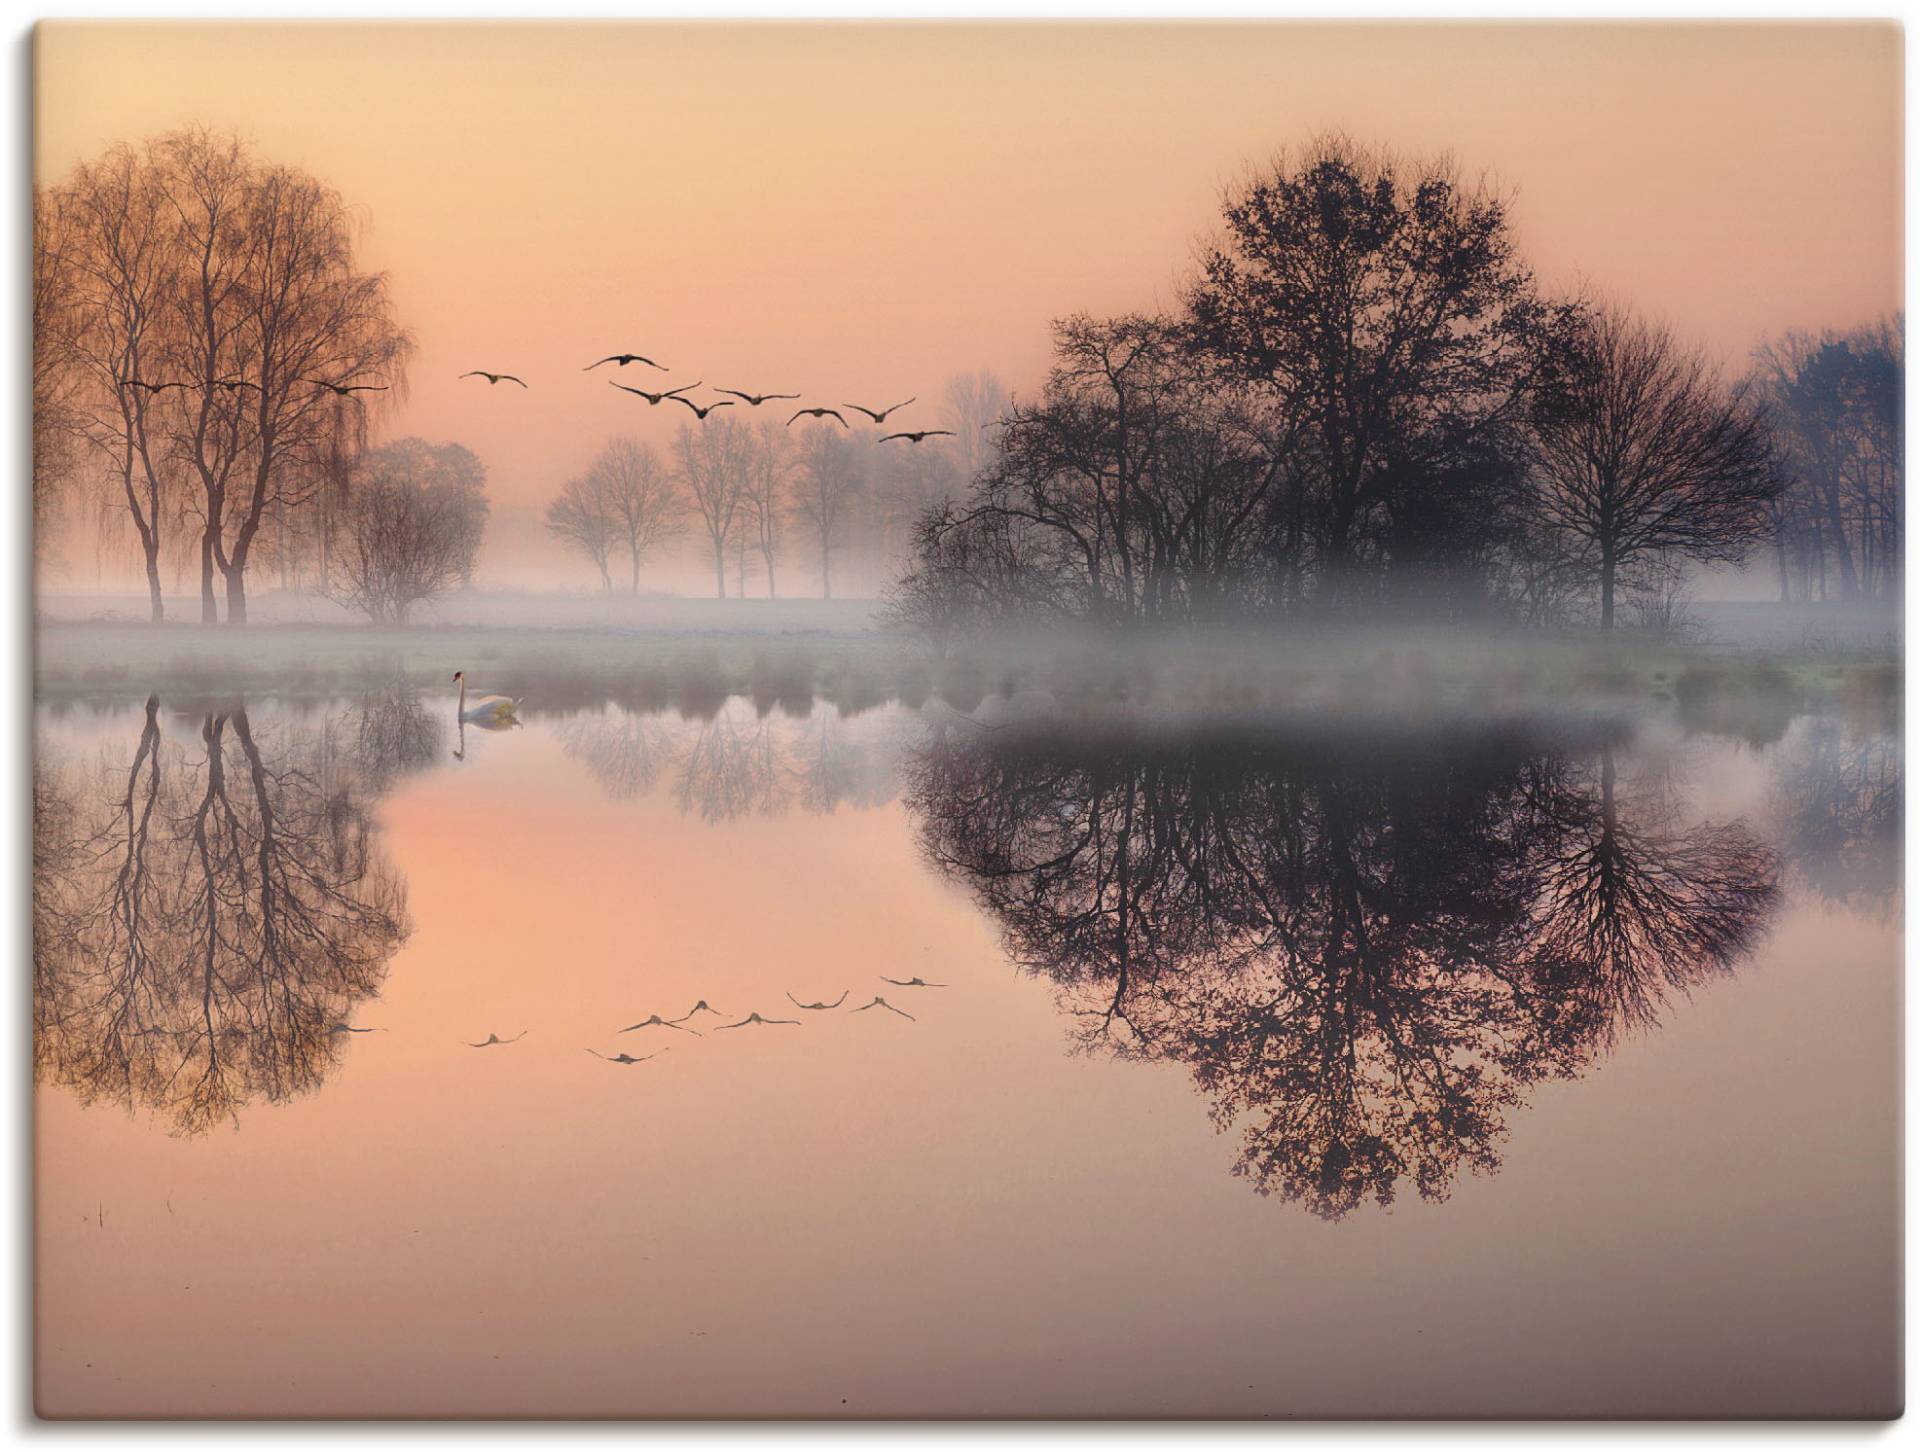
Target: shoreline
1350, 670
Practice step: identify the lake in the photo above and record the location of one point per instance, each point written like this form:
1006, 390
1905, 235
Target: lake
1106, 1062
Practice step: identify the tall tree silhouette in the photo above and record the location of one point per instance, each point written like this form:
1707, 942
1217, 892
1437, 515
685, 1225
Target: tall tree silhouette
1837, 407
828, 481
1643, 455
712, 464
268, 293
112, 223
1380, 306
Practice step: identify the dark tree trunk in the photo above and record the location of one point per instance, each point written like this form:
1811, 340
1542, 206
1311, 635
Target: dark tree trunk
237, 592
1608, 569
209, 604
1843, 552
152, 551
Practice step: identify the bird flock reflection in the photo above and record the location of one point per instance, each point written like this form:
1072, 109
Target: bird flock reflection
1365, 949
753, 1019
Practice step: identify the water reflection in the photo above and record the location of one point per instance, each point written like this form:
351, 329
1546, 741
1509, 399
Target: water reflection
207, 915
1364, 951
394, 733
737, 760
1838, 794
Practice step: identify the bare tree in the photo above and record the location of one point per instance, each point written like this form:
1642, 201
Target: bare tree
115, 232
56, 417
1132, 490
975, 402
1642, 452
1835, 403
204, 179
270, 310
333, 459
410, 531
904, 483
579, 519
630, 485
712, 463
829, 483
766, 495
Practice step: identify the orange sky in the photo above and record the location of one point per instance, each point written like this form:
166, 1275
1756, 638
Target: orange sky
858, 211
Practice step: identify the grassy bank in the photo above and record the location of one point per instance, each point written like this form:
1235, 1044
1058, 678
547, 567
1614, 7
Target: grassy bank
1339, 670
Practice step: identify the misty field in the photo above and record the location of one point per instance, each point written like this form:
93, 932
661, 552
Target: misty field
1755, 663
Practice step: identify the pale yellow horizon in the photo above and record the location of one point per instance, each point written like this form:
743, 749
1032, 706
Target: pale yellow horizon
858, 211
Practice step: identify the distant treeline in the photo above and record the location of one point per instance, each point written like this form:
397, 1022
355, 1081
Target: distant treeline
1365, 404
763, 502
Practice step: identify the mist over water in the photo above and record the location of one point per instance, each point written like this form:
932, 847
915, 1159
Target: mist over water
1352, 1003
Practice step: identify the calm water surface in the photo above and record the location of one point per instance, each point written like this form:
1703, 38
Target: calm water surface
1308, 1069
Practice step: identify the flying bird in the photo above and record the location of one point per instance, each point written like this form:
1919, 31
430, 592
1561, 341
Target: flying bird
703, 412
494, 377
654, 398
755, 1018
910, 982
701, 1007
347, 390
347, 1028
879, 416
627, 1058
235, 384
817, 1006
918, 435
879, 1002
623, 359
491, 1039
832, 413
658, 1022
754, 400
153, 387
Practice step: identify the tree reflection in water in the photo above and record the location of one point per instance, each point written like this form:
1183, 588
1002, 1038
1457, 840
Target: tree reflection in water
1838, 795
1364, 951
205, 916
734, 761
392, 732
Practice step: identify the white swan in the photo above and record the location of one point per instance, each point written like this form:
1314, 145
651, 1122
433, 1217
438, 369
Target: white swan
494, 711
